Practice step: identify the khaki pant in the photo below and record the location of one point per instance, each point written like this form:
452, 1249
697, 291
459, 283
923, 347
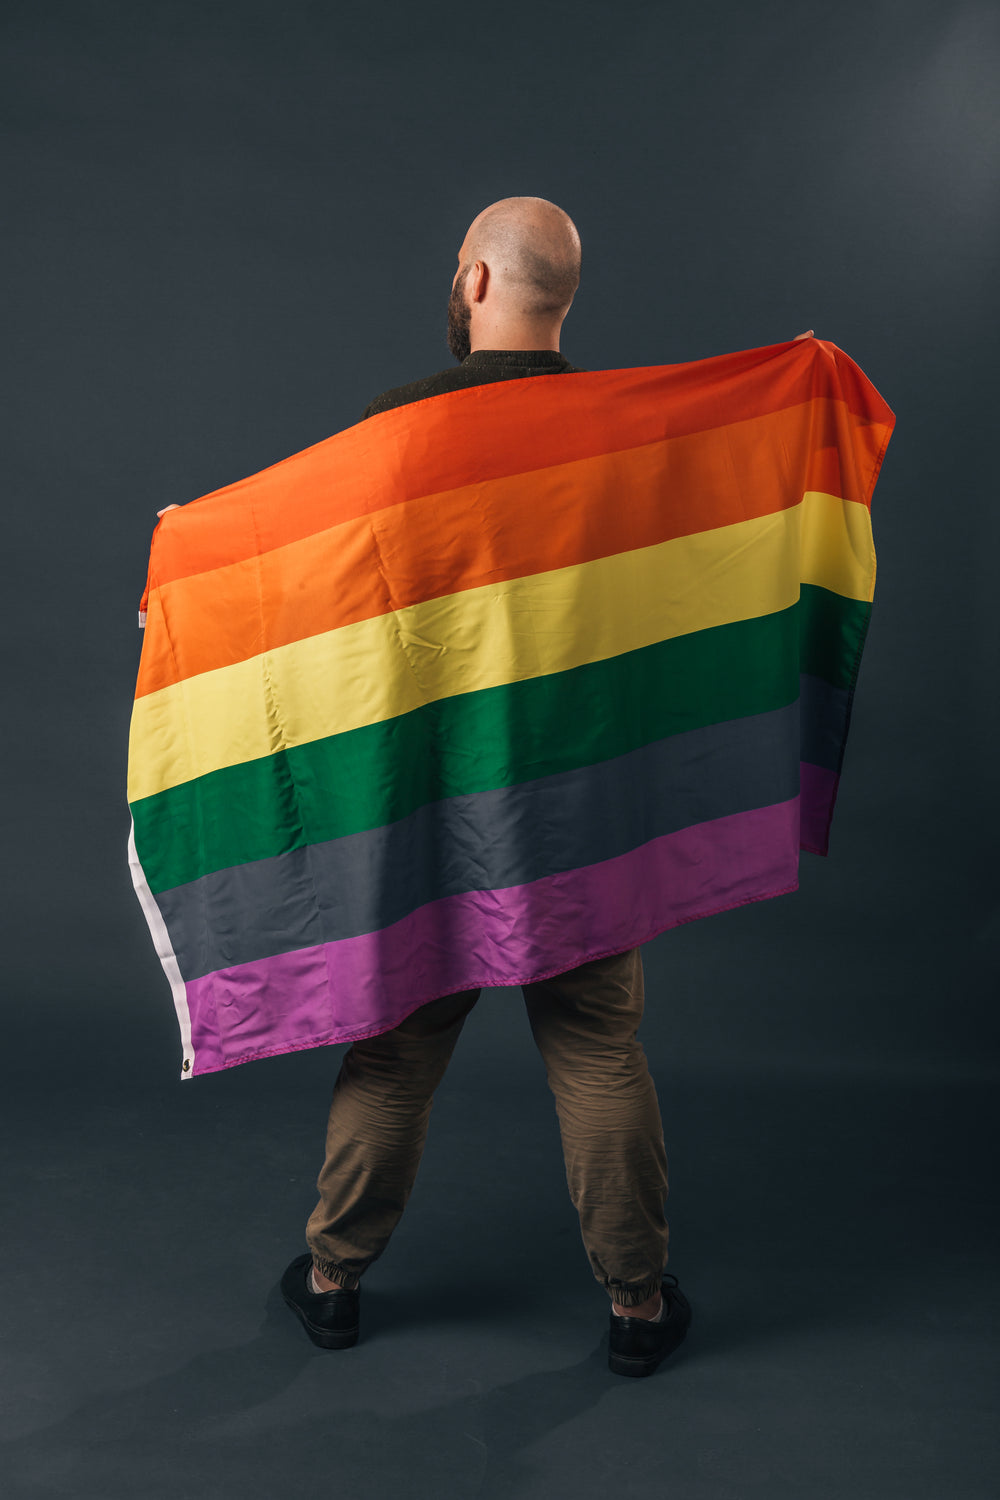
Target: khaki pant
584, 1024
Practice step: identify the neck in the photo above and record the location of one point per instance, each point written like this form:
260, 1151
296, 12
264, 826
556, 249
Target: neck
514, 333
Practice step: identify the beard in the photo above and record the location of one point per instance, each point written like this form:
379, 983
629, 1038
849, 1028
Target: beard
459, 319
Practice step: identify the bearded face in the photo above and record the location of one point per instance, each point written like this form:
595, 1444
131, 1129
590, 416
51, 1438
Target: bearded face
459, 319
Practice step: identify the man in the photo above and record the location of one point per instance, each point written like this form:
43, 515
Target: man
518, 270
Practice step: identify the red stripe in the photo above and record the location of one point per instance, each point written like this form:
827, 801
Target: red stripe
507, 428
440, 545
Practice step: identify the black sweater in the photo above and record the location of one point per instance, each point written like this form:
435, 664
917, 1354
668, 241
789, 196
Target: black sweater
480, 368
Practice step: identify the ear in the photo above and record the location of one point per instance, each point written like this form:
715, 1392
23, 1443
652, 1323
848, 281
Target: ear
477, 282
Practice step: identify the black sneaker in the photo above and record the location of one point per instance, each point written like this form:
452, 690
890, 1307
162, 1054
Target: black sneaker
636, 1346
329, 1318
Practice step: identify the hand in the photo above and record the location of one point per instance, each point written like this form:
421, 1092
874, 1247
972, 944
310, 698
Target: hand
166, 508
807, 335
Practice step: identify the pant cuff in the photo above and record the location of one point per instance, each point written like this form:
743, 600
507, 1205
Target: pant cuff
329, 1268
632, 1296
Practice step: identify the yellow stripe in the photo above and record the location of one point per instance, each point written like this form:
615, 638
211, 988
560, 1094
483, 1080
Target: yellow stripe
837, 551
527, 627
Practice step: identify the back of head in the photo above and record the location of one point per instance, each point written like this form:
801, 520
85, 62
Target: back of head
533, 251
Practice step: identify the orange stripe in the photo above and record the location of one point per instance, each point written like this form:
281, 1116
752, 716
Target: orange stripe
516, 425
526, 523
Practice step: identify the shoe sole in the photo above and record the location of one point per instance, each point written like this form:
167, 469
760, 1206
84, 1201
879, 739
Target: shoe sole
623, 1364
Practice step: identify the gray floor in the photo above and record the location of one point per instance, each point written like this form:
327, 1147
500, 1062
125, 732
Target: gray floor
832, 1229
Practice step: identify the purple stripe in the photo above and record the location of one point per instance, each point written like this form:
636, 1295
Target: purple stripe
360, 986
818, 794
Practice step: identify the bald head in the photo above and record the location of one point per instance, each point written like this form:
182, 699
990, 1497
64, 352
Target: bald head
518, 269
532, 249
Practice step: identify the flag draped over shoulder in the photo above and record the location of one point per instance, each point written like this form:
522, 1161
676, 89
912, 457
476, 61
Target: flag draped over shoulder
496, 683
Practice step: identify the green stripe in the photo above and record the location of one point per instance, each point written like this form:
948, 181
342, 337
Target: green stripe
360, 780
832, 633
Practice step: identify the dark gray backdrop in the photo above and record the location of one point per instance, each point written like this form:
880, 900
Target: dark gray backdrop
227, 227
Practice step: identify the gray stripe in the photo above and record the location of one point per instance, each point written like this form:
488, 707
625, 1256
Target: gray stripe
826, 717
509, 837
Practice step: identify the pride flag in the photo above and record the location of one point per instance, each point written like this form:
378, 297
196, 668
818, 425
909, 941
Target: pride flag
496, 683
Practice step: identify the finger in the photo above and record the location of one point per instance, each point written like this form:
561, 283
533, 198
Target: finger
166, 508
807, 335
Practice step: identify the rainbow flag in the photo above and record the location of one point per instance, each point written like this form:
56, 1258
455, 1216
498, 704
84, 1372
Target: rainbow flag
496, 683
